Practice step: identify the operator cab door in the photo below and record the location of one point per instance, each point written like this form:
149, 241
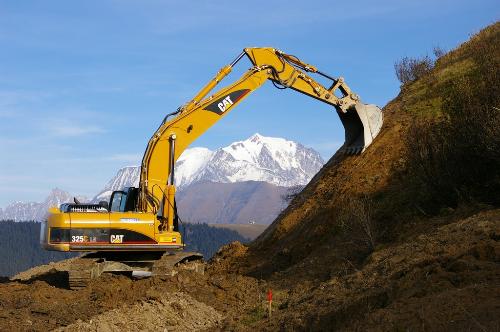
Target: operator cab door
126, 226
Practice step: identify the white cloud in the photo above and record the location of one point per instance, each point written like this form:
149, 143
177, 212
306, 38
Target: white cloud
15, 97
67, 129
134, 158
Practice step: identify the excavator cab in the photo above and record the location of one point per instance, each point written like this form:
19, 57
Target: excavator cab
123, 200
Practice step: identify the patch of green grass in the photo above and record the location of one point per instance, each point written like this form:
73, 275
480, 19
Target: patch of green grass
256, 314
450, 72
424, 96
431, 107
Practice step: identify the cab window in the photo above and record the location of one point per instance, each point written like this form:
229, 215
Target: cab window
117, 200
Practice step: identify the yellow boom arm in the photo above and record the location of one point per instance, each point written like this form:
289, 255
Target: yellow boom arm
361, 122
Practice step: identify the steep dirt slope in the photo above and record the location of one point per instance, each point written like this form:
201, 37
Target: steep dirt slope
400, 268
306, 230
309, 239
447, 279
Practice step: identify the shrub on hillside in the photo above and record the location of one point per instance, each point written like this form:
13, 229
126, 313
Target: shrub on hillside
357, 221
410, 69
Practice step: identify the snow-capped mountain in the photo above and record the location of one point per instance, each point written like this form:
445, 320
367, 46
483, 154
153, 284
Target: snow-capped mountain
272, 160
190, 163
276, 161
36, 210
259, 158
20, 211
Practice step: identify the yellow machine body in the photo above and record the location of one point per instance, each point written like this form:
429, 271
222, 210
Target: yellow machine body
146, 218
106, 231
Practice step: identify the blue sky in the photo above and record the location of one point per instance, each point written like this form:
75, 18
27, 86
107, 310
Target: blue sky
83, 85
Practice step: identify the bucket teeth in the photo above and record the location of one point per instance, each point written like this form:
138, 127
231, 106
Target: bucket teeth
362, 123
352, 150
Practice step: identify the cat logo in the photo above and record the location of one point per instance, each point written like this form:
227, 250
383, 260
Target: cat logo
117, 238
225, 104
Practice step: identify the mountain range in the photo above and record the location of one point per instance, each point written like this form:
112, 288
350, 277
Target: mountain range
27, 211
256, 172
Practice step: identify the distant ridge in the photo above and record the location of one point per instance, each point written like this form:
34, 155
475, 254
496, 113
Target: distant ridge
268, 159
267, 165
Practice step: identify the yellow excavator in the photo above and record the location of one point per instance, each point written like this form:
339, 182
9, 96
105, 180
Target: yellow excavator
138, 228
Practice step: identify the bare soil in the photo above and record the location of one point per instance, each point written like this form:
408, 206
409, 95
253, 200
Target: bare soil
186, 301
446, 279
173, 312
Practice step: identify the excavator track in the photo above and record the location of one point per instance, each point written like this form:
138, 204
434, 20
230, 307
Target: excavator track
138, 265
82, 271
170, 264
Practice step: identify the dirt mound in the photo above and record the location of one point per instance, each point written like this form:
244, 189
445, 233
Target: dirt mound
446, 280
45, 303
43, 270
187, 301
354, 251
175, 312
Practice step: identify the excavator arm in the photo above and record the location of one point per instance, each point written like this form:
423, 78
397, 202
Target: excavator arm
136, 232
362, 122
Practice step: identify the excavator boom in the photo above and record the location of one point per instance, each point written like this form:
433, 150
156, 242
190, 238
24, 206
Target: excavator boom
361, 122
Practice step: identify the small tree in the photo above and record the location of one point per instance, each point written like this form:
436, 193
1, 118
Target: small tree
410, 69
357, 220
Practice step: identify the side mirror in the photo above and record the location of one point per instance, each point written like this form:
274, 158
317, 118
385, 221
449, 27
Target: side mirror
104, 204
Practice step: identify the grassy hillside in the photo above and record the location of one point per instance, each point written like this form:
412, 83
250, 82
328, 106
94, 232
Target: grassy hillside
437, 156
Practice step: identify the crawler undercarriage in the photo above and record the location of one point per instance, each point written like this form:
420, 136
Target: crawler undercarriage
136, 264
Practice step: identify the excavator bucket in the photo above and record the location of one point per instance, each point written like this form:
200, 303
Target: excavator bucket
362, 123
